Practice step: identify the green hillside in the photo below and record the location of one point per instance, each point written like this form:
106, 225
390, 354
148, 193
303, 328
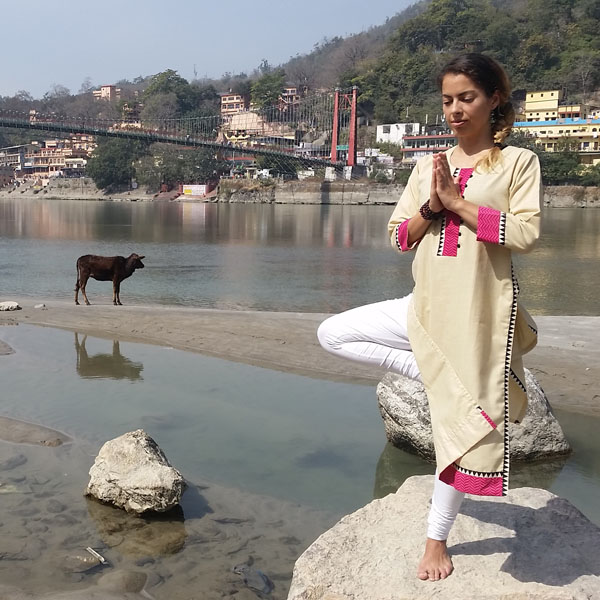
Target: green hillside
543, 43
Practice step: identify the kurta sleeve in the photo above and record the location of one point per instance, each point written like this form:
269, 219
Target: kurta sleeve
519, 228
407, 207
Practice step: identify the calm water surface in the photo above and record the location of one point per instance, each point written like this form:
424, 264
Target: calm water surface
265, 257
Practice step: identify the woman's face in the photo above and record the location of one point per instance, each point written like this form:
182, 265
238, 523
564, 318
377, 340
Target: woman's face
466, 107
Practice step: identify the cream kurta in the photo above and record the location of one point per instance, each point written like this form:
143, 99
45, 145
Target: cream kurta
464, 326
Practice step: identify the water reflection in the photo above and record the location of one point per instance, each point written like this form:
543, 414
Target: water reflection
395, 466
105, 365
138, 536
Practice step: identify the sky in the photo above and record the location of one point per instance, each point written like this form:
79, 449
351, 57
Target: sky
62, 42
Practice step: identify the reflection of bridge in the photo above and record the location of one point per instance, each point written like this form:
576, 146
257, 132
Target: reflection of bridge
308, 133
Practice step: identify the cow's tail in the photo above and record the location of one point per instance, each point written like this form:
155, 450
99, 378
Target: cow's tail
78, 278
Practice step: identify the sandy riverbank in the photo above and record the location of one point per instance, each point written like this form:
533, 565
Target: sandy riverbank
565, 361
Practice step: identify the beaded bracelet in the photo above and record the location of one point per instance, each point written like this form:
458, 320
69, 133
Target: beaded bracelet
426, 212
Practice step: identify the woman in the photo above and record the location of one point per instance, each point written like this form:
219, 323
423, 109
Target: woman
461, 331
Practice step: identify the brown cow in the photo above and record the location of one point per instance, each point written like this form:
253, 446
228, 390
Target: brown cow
105, 268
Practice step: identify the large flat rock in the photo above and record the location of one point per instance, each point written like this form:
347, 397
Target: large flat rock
530, 545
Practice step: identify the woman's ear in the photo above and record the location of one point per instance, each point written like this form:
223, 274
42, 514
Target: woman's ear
495, 100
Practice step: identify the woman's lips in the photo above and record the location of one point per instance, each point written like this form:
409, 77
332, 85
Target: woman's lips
458, 123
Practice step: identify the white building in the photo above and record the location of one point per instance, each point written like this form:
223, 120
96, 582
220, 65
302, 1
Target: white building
394, 132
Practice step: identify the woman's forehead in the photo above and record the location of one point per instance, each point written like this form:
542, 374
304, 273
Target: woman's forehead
455, 84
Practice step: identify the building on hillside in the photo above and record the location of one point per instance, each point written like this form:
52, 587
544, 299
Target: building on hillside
547, 105
251, 129
14, 156
55, 158
418, 146
393, 133
233, 104
290, 97
542, 105
583, 133
108, 93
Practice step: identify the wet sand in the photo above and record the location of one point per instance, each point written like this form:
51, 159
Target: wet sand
565, 361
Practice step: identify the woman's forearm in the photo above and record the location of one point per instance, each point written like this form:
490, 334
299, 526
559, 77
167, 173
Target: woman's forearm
417, 227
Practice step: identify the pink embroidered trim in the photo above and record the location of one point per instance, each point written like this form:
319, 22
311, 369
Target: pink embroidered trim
452, 226
451, 232
402, 236
472, 484
487, 418
463, 177
488, 225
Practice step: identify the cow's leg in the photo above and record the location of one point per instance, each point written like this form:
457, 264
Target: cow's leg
119, 293
82, 284
77, 291
116, 289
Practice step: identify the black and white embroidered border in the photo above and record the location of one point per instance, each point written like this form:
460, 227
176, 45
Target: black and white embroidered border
519, 382
477, 473
397, 238
507, 372
502, 229
440, 249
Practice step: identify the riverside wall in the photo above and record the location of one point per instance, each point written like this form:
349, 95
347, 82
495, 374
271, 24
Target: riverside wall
294, 192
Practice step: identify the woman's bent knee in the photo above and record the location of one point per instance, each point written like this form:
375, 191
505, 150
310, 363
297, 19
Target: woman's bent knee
326, 336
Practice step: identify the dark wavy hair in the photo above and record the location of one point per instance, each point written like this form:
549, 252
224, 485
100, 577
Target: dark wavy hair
491, 77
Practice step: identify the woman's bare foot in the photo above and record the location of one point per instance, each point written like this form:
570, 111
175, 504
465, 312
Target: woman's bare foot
436, 563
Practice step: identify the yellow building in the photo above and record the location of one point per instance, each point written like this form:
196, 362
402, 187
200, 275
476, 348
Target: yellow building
549, 122
585, 133
542, 106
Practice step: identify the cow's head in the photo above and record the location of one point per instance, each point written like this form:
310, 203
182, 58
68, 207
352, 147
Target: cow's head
135, 260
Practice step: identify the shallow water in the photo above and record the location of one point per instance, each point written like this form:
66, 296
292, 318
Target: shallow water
273, 458
265, 257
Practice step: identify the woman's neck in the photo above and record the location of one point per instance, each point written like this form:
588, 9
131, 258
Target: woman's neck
467, 154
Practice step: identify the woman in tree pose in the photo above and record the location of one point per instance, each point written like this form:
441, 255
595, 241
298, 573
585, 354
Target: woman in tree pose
461, 331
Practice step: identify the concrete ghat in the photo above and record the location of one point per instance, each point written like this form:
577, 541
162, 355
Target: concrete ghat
296, 192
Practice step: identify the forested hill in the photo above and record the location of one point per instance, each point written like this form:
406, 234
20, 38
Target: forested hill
543, 44
333, 57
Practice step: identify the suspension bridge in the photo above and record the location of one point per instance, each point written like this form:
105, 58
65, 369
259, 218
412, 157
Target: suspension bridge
316, 132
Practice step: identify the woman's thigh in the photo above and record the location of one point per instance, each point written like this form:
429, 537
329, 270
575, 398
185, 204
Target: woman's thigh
382, 323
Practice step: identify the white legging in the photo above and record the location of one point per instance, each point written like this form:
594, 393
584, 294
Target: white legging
377, 334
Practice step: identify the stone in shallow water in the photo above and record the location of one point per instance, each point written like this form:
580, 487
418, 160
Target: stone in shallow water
133, 473
405, 412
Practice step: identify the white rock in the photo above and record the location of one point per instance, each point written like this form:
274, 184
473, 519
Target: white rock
530, 545
132, 472
405, 412
41, 305
9, 305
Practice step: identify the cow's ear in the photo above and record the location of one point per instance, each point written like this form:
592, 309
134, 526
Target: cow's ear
140, 257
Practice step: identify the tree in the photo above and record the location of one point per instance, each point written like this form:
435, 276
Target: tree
111, 165
267, 90
170, 165
169, 83
591, 176
86, 86
160, 107
560, 167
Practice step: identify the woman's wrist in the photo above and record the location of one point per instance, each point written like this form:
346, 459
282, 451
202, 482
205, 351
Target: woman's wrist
427, 213
456, 205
